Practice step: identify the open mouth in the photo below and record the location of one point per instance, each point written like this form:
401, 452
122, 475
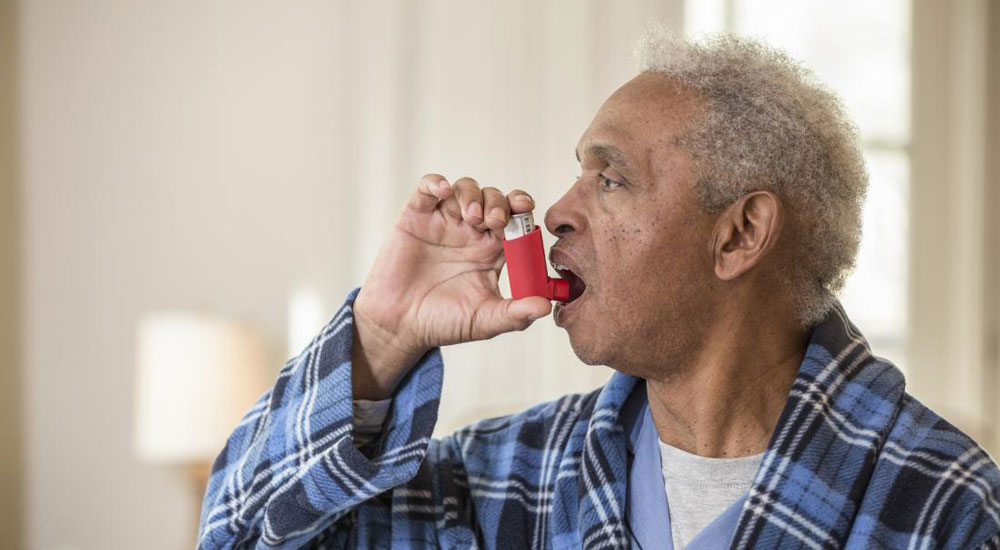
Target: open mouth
576, 285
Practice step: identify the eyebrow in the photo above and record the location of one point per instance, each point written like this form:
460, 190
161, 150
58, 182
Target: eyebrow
609, 153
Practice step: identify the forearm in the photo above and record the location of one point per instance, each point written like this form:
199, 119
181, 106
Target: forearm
291, 468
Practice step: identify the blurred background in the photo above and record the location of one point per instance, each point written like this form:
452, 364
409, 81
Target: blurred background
189, 189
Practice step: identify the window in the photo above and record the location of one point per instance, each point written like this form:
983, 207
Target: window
862, 51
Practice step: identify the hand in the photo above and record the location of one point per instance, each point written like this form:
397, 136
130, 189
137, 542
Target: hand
434, 282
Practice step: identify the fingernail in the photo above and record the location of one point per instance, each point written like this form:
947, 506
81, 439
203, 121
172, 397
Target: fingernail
474, 210
525, 197
497, 213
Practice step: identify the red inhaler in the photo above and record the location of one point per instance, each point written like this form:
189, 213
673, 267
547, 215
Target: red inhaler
526, 269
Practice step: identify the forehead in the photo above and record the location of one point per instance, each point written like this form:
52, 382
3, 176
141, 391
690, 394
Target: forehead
645, 115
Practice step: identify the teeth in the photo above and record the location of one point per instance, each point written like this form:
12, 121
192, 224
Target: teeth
559, 267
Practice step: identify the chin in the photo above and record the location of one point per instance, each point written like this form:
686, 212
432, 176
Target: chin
595, 356
618, 352
587, 350
587, 358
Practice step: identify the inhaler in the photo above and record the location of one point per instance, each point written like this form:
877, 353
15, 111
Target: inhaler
526, 269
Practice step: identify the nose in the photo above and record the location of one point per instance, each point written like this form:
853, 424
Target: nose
567, 215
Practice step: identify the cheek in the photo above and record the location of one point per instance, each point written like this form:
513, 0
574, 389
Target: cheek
626, 241
632, 272
647, 265
633, 254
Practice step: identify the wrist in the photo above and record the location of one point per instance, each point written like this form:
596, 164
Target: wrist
380, 359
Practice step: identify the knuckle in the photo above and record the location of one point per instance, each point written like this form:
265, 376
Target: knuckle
431, 178
493, 195
493, 222
519, 193
451, 206
467, 182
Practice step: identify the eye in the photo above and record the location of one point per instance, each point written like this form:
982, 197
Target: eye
608, 184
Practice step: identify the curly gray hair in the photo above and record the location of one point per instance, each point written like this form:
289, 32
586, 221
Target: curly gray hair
769, 125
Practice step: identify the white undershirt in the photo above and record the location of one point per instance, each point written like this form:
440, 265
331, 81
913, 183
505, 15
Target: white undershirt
700, 488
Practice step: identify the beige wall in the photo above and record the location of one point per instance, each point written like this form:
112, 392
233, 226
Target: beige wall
992, 243
11, 448
177, 154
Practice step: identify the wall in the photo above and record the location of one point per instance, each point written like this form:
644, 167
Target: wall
12, 449
992, 229
225, 155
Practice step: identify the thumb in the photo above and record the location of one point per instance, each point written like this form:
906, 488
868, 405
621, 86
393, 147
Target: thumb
507, 315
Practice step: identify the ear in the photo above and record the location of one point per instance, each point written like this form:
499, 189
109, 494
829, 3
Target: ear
745, 232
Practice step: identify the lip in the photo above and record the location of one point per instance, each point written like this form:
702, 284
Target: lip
559, 256
563, 312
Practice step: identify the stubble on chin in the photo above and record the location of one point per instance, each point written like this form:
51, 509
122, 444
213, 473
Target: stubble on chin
585, 349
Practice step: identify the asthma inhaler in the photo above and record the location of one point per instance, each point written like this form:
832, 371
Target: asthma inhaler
522, 246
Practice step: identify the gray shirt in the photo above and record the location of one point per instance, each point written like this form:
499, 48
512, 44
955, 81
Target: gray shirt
700, 488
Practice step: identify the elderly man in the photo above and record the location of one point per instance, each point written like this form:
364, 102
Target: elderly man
716, 212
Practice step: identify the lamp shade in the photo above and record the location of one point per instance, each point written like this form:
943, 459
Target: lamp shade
197, 375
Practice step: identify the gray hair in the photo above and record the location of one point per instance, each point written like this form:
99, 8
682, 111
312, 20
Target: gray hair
769, 125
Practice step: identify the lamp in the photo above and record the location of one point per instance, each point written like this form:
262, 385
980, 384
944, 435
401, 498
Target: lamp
197, 375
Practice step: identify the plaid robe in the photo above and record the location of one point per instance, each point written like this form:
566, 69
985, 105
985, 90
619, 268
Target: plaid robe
854, 462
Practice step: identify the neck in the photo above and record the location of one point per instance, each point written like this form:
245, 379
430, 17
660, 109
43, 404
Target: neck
726, 399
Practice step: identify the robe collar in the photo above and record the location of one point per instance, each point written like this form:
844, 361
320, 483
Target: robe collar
839, 411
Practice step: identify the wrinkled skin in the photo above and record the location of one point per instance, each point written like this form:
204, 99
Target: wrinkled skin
632, 228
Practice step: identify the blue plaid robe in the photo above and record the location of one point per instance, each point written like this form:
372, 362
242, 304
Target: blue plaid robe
855, 462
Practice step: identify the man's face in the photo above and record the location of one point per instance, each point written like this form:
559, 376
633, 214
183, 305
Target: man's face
632, 230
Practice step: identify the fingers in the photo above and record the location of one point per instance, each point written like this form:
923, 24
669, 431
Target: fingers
528, 309
496, 208
488, 208
432, 189
485, 209
520, 202
509, 315
470, 201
